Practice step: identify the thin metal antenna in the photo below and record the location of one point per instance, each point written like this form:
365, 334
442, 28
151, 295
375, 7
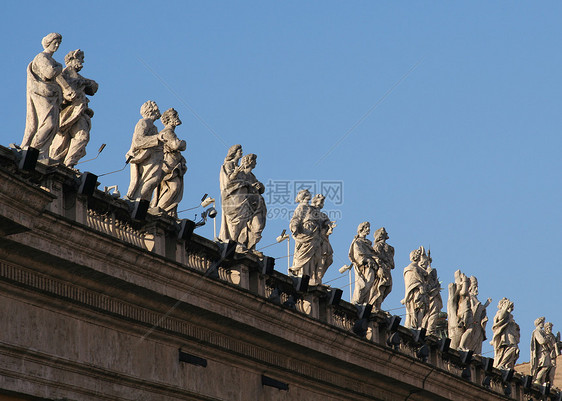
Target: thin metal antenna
121, 169
102, 147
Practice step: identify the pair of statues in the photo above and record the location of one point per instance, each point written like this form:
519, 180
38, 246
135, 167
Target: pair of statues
157, 165
466, 315
372, 265
545, 348
311, 229
243, 207
58, 119
423, 292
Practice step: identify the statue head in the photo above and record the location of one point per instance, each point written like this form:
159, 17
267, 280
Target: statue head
424, 260
548, 327
415, 255
234, 153
74, 59
364, 229
150, 110
51, 42
248, 161
381, 234
540, 321
303, 196
505, 304
473, 286
170, 118
318, 201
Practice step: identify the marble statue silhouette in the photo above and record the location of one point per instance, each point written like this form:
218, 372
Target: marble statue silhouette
169, 192
305, 234
45, 88
244, 210
506, 336
146, 155
69, 144
542, 347
416, 298
384, 258
362, 257
433, 289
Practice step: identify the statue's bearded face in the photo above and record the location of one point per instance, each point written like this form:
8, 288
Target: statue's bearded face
366, 230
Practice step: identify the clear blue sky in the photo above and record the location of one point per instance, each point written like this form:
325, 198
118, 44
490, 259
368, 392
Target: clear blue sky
460, 150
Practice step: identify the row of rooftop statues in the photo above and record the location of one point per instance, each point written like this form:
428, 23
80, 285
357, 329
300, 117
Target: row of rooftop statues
58, 124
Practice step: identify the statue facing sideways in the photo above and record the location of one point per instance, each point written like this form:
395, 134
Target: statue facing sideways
69, 144
541, 353
44, 97
506, 336
416, 298
362, 257
169, 192
384, 257
434, 301
243, 207
146, 155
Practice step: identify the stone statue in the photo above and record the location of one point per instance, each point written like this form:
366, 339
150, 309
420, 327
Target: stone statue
324, 230
416, 298
555, 348
169, 192
44, 97
459, 312
433, 288
69, 144
362, 256
475, 333
230, 219
251, 234
506, 336
541, 353
384, 257
243, 206
304, 229
146, 154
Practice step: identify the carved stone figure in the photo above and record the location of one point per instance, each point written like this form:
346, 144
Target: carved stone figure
243, 206
541, 353
304, 229
146, 155
251, 234
475, 333
506, 336
44, 97
362, 256
231, 224
459, 312
324, 230
169, 192
416, 298
69, 144
433, 288
555, 349
384, 257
